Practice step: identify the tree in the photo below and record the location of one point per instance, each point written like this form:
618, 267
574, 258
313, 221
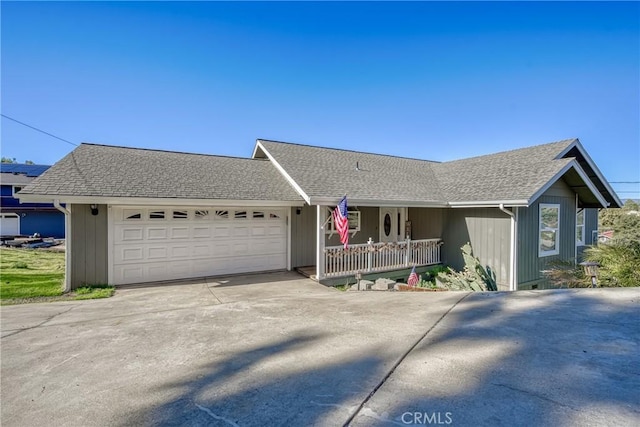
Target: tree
28, 162
8, 160
625, 221
619, 262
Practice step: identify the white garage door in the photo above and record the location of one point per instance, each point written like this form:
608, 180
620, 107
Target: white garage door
151, 244
9, 224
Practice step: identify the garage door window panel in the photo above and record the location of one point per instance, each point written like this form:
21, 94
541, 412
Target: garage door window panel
180, 214
156, 215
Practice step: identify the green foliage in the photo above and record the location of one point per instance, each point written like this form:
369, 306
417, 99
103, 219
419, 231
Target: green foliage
36, 276
8, 160
625, 221
474, 277
94, 292
566, 274
28, 273
619, 262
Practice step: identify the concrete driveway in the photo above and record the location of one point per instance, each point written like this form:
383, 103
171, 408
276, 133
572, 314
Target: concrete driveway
278, 349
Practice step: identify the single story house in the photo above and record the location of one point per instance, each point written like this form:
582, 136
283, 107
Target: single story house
139, 215
25, 219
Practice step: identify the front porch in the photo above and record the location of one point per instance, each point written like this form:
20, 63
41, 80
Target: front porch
381, 240
391, 240
377, 257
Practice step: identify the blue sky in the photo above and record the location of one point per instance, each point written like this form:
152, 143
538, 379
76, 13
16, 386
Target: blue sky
436, 81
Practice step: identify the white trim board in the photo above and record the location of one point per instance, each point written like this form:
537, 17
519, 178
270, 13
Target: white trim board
140, 201
591, 163
282, 171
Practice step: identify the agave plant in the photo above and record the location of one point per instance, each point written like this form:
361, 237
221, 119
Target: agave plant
474, 277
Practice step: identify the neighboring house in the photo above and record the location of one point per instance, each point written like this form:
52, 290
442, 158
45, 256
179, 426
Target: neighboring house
605, 236
138, 215
26, 219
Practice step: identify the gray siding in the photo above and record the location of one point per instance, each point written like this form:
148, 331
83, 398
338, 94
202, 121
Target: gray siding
369, 220
530, 265
590, 225
489, 232
426, 223
89, 246
303, 236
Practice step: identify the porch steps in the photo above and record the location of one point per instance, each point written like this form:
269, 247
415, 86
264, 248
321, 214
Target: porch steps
308, 271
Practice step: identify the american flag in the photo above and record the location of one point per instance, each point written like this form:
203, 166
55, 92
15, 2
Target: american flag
341, 222
413, 278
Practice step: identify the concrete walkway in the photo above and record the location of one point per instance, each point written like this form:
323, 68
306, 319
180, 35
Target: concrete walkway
279, 349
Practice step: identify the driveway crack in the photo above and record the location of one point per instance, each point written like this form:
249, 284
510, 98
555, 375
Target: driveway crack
48, 319
529, 393
399, 361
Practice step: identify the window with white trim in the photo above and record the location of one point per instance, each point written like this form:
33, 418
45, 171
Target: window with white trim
354, 223
580, 227
549, 229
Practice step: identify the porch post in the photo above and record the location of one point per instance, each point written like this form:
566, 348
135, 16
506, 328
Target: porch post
406, 257
320, 217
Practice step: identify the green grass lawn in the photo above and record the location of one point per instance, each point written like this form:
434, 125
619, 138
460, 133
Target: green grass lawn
34, 276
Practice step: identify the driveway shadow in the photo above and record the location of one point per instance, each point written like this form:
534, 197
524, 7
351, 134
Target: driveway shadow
236, 392
564, 357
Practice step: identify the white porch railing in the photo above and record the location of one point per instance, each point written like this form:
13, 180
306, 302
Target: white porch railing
371, 257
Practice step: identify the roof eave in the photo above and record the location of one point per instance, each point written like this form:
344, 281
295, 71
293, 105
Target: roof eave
353, 201
576, 166
145, 201
489, 203
576, 143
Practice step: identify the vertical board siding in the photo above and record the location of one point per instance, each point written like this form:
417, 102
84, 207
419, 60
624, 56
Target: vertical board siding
369, 219
489, 232
530, 265
303, 236
590, 225
89, 246
426, 223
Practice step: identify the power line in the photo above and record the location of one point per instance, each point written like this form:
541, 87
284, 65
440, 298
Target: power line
624, 182
39, 130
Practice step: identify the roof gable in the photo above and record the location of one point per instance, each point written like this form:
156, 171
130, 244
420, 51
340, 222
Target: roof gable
577, 151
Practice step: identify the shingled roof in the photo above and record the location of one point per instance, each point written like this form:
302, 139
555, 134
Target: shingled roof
324, 174
514, 177
509, 175
286, 172
107, 171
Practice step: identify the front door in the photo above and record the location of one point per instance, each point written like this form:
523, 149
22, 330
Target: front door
392, 224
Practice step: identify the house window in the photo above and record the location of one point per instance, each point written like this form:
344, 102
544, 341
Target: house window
156, 215
580, 227
549, 230
354, 222
240, 215
16, 189
257, 214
